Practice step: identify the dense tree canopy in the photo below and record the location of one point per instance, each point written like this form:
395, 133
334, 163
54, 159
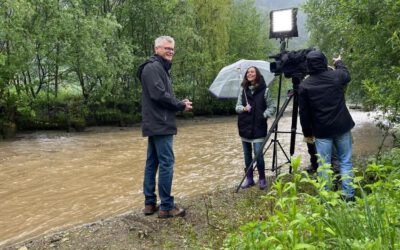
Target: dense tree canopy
72, 62
367, 34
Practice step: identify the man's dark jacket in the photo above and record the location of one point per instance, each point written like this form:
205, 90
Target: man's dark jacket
323, 111
159, 104
253, 125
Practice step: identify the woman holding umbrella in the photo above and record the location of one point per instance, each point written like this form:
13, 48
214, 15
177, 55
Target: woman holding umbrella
254, 106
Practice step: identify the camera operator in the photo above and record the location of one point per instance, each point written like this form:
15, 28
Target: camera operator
324, 115
312, 151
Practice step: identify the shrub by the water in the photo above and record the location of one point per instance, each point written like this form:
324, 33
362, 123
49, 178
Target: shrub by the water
313, 218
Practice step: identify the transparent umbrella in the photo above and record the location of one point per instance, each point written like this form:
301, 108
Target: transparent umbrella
227, 83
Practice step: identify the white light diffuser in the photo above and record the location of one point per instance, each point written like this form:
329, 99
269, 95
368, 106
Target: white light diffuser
283, 23
282, 20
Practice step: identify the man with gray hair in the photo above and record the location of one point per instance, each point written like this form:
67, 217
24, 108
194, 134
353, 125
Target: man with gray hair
159, 106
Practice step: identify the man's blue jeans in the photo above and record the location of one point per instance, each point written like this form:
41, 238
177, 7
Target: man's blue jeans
343, 144
248, 157
160, 156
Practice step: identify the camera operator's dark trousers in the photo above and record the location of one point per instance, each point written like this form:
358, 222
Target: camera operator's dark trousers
312, 151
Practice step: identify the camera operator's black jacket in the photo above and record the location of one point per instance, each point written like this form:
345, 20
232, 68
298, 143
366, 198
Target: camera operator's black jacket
323, 111
159, 104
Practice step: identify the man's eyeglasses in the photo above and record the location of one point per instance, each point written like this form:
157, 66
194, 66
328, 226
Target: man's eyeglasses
168, 49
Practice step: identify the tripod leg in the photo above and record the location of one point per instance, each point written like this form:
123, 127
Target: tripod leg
268, 147
287, 157
296, 82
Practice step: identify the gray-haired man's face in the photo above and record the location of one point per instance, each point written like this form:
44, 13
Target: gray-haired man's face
166, 50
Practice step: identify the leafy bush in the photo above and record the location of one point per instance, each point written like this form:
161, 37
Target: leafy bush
71, 112
51, 113
300, 219
7, 129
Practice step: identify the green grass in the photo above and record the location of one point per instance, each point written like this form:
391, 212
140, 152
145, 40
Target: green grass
303, 215
295, 213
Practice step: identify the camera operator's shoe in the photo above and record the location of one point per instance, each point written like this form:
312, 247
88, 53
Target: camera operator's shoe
175, 212
311, 170
348, 199
262, 184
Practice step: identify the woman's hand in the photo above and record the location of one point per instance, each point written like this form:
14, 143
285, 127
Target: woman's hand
247, 108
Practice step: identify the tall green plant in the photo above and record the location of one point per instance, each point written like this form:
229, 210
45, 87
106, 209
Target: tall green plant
302, 214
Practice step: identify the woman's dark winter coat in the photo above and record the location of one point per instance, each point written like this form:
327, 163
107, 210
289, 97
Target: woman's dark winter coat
253, 125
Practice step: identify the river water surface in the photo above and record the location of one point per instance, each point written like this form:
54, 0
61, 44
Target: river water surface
53, 180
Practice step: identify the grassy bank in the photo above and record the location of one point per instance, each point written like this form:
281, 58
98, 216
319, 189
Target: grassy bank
295, 213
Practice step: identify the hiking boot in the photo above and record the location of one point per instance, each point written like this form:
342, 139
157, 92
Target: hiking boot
349, 199
150, 209
262, 184
175, 212
248, 183
311, 169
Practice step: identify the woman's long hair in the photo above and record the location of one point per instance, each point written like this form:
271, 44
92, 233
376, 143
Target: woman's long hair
246, 83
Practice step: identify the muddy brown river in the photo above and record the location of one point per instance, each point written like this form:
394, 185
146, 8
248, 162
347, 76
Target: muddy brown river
53, 180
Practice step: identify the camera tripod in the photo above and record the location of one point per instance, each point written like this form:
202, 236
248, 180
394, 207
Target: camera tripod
292, 94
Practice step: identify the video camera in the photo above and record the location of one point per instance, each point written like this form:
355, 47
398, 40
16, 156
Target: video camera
291, 63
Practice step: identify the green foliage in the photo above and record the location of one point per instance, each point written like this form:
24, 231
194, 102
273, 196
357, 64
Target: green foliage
248, 36
367, 35
304, 215
55, 113
384, 96
53, 51
108, 116
7, 129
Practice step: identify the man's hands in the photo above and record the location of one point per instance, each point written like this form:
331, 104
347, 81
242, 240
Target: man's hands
339, 58
188, 104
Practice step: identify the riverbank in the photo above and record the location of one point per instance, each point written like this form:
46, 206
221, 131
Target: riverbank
84, 177
209, 218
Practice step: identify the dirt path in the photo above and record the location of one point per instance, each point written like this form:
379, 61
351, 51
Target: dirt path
209, 217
